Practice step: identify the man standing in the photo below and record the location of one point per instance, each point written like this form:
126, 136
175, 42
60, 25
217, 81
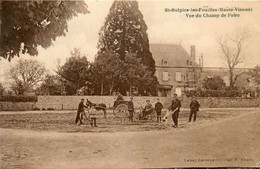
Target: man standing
131, 109
194, 107
80, 110
175, 107
158, 108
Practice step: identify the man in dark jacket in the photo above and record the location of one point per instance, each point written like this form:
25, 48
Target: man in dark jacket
175, 106
148, 109
80, 110
131, 109
194, 107
158, 108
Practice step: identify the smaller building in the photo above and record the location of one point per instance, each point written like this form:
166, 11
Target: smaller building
176, 70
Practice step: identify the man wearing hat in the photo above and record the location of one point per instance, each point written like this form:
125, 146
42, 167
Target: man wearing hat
131, 109
148, 109
80, 110
175, 107
194, 107
158, 108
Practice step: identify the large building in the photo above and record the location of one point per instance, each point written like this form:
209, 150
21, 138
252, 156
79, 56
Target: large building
176, 70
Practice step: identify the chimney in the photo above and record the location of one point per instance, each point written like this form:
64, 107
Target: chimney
192, 52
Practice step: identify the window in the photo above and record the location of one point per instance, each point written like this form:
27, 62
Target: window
165, 63
165, 76
178, 76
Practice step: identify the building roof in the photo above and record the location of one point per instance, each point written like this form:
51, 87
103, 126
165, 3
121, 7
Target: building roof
174, 54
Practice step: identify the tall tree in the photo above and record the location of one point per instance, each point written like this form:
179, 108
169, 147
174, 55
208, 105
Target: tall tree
51, 85
28, 24
75, 72
139, 76
107, 71
25, 75
233, 53
125, 31
113, 74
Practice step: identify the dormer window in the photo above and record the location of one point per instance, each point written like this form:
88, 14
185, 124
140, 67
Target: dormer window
165, 63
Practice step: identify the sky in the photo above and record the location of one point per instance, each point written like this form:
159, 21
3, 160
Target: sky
163, 27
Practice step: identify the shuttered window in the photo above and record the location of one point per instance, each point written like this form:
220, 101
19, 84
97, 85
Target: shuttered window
165, 76
178, 76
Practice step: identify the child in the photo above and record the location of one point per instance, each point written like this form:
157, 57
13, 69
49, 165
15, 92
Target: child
93, 116
158, 108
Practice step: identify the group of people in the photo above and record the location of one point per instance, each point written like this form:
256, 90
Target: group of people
148, 109
174, 108
92, 114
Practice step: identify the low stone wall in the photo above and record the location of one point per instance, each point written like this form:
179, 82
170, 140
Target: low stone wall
71, 102
224, 102
17, 106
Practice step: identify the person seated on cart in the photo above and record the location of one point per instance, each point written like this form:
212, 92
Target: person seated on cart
148, 109
118, 99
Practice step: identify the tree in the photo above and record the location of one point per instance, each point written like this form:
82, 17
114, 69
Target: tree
28, 24
113, 74
75, 72
255, 74
51, 85
108, 70
139, 76
232, 49
1, 89
124, 31
25, 75
214, 83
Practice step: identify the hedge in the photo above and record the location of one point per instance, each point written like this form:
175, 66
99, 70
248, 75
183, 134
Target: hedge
18, 98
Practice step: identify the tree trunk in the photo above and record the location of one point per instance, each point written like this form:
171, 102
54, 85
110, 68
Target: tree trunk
130, 89
101, 92
231, 83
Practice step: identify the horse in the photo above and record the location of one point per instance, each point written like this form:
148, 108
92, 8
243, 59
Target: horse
98, 107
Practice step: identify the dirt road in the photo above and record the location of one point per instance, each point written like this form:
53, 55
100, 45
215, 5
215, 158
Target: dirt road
232, 142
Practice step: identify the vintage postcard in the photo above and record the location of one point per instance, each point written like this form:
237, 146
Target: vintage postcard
129, 84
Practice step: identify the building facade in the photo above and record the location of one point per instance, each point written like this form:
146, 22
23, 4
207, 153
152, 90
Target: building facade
176, 70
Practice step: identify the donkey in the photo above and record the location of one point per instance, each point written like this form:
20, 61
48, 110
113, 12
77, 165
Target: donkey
97, 106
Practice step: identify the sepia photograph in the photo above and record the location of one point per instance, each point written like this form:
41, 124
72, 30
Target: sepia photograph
129, 84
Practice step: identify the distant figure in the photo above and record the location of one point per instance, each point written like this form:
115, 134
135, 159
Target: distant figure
194, 107
93, 116
175, 107
148, 109
80, 111
119, 97
131, 109
158, 108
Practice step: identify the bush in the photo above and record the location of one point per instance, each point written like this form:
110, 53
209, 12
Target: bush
18, 98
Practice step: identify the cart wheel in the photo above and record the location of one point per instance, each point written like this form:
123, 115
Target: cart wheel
121, 111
